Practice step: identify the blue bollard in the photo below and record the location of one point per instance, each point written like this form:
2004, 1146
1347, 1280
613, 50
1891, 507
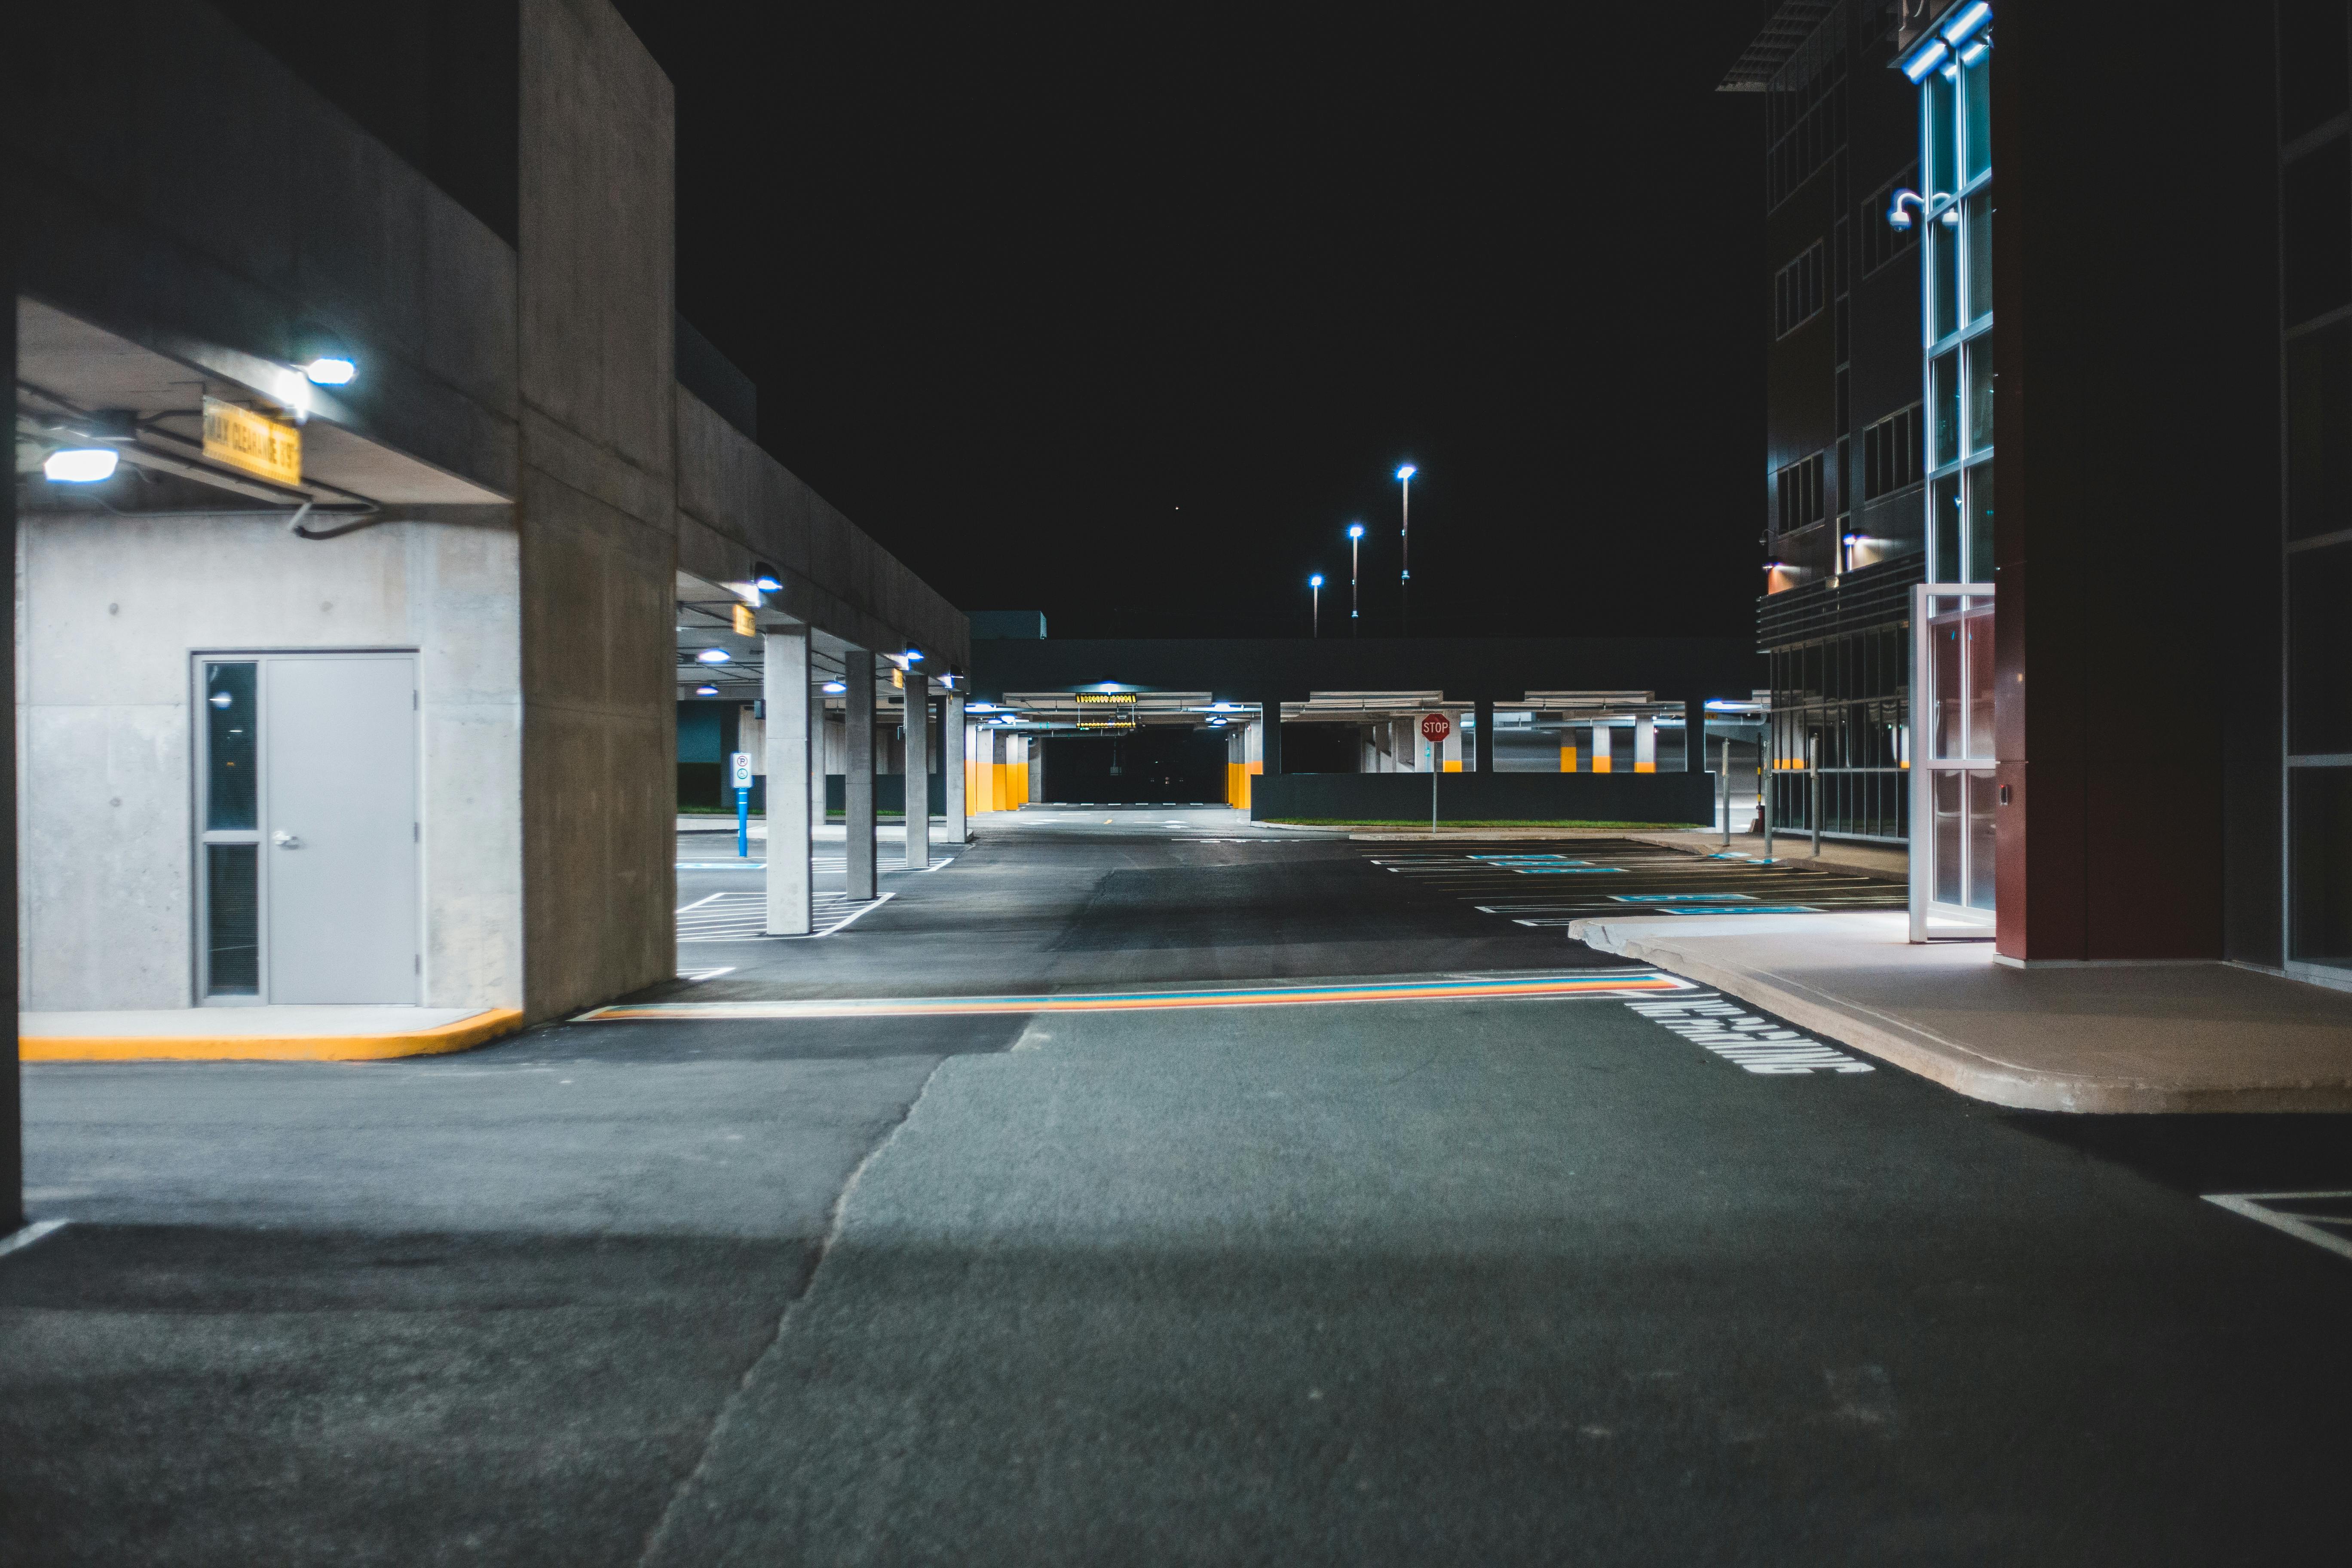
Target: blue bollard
743, 824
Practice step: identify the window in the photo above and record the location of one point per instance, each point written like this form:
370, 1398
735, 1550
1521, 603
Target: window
1797, 495
1882, 242
1797, 292
1891, 458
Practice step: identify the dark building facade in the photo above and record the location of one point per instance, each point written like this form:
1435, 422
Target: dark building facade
2165, 286
1843, 527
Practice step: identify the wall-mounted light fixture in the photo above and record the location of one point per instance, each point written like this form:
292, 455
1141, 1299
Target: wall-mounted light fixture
80, 464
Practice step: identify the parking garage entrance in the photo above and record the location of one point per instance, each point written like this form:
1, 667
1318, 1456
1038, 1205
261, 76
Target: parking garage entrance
1154, 765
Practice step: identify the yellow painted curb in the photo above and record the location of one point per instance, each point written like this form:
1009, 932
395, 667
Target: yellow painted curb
463, 1034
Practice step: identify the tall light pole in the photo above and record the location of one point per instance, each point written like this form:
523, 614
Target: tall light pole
1355, 546
1405, 551
1314, 586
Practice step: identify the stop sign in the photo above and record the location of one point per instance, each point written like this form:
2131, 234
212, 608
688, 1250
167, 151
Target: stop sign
1435, 727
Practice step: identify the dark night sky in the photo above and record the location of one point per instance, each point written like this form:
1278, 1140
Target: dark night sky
1123, 314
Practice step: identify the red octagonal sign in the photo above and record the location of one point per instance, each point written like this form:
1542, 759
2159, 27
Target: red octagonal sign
1435, 727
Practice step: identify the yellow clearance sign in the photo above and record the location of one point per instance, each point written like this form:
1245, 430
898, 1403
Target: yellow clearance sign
254, 442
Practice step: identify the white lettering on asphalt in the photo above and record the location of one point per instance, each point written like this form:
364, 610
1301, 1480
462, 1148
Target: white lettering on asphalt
1755, 1044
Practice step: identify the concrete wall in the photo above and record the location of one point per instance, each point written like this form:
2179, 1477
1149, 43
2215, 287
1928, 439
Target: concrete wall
598, 486
110, 610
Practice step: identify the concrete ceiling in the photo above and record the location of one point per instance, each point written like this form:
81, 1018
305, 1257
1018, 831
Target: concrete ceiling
65, 365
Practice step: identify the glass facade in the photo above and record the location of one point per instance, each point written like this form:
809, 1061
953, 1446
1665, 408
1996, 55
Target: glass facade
1957, 204
2315, 389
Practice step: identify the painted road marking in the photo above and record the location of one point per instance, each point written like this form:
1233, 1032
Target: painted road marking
1682, 898
1741, 910
1752, 1042
2323, 1220
743, 917
1589, 982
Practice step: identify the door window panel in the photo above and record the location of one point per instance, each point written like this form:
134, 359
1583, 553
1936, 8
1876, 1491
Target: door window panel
1983, 799
1947, 837
229, 776
232, 920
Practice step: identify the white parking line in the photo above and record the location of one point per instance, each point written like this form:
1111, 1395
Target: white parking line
2332, 1231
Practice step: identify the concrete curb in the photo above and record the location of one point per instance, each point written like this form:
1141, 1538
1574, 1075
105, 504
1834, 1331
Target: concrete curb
1963, 1069
463, 1034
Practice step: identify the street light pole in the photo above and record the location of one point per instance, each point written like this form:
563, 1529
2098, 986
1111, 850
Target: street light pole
1354, 549
1405, 551
1314, 585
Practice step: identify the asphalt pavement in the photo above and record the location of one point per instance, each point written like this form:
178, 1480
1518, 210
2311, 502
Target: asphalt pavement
1625, 1273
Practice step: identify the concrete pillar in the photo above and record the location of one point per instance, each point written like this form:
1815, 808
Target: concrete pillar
1485, 709
785, 687
1645, 744
819, 745
1601, 747
1271, 739
952, 738
918, 771
857, 735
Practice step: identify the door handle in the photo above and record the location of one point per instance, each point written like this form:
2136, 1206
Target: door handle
285, 840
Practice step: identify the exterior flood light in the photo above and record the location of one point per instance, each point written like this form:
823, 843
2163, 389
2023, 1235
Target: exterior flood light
1407, 471
706, 691
913, 655
834, 688
1316, 581
713, 655
330, 370
81, 465
1918, 65
1970, 19
1355, 531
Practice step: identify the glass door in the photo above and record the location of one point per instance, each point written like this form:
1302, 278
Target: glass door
1953, 791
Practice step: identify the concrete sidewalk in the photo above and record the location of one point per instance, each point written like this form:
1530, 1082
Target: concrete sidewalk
2142, 1037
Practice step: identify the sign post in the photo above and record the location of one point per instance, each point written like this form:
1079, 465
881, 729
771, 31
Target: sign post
1435, 728
738, 773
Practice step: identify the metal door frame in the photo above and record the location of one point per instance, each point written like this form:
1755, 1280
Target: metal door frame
199, 902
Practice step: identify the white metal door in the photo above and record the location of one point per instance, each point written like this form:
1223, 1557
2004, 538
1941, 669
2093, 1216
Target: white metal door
340, 841
1952, 781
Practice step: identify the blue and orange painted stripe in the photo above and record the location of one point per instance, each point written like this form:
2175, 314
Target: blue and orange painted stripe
1609, 982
